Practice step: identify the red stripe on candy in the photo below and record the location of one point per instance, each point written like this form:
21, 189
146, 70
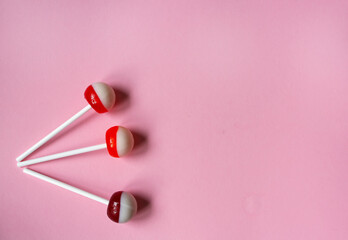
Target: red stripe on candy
114, 206
93, 100
111, 141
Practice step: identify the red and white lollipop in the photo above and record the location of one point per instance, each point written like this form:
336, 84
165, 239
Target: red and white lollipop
119, 142
100, 96
122, 206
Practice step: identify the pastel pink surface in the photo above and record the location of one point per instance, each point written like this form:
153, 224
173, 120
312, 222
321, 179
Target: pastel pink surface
243, 105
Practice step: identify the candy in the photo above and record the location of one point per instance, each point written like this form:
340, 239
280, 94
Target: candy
122, 206
100, 96
119, 142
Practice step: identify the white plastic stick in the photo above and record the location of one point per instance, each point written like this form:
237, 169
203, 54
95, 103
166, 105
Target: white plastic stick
53, 133
66, 186
61, 155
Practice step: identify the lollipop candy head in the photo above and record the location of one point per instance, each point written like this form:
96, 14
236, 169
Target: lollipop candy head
119, 141
122, 207
100, 96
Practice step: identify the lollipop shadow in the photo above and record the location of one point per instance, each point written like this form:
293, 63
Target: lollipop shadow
122, 99
144, 206
140, 143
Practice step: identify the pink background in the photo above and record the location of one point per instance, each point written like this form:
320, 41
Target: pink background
241, 106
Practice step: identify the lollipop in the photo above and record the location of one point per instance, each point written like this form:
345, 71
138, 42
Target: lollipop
119, 142
122, 206
100, 96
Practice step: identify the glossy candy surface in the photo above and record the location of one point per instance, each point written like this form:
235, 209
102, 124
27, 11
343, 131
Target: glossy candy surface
100, 96
119, 141
122, 207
